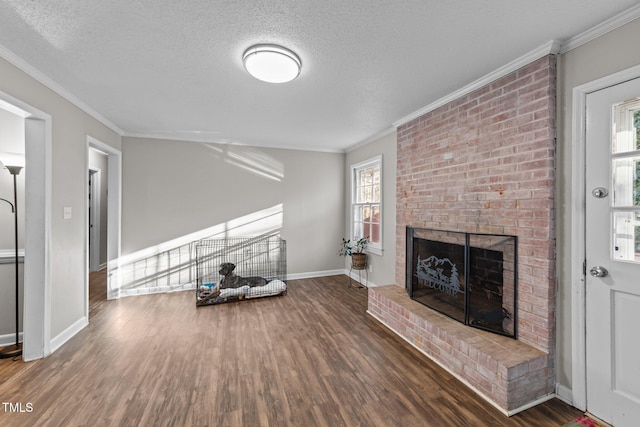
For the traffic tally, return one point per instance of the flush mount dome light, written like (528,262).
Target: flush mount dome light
(271,63)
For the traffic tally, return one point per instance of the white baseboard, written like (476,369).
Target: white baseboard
(68,333)
(312,274)
(354,275)
(9,339)
(156,290)
(532,404)
(362,278)
(564,393)
(192,286)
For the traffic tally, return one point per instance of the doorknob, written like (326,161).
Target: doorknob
(600,193)
(598,271)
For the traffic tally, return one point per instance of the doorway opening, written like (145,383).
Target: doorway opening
(12,223)
(103,187)
(36,309)
(97,210)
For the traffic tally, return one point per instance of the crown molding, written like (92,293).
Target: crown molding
(36,74)
(371,139)
(550,48)
(601,29)
(180,137)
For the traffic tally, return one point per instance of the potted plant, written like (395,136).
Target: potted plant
(355,249)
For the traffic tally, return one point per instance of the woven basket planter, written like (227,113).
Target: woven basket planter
(359,261)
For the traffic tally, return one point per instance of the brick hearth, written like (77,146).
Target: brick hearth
(485,163)
(508,373)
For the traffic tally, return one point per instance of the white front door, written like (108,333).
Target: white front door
(613,254)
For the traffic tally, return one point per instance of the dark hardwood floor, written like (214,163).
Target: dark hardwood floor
(310,358)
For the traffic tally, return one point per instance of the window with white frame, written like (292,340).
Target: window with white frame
(366,202)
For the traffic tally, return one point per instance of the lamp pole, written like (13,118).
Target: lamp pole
(16,349)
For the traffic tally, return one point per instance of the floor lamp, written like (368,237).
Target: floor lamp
(14,165)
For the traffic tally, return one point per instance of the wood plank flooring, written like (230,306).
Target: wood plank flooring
(10,369)
(310,358)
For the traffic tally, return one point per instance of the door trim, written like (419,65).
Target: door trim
(578,228)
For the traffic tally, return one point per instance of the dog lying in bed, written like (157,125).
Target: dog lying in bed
(232,280)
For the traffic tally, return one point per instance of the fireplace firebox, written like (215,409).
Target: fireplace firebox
(469,277)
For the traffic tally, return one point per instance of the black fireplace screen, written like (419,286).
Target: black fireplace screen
(468,277)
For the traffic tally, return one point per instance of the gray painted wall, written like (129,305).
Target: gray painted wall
(175,188)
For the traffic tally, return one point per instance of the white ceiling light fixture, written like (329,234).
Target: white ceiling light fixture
(271,63)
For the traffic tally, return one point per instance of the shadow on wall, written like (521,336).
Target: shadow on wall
(251,160)
(167,267)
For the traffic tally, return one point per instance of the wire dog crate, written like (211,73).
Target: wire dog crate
(238,268)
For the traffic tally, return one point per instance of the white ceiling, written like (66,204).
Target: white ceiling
(173,68)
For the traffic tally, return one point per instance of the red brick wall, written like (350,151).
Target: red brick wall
(499,179)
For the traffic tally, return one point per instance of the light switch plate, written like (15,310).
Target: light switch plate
(67,212)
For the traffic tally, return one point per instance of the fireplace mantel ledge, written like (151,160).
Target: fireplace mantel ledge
(509,374)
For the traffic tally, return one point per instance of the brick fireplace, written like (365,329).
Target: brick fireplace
(484,163)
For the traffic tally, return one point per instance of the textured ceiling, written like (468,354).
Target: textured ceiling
(173,69)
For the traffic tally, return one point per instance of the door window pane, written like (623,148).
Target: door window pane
(626,182)
(626,239)
(626,127)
